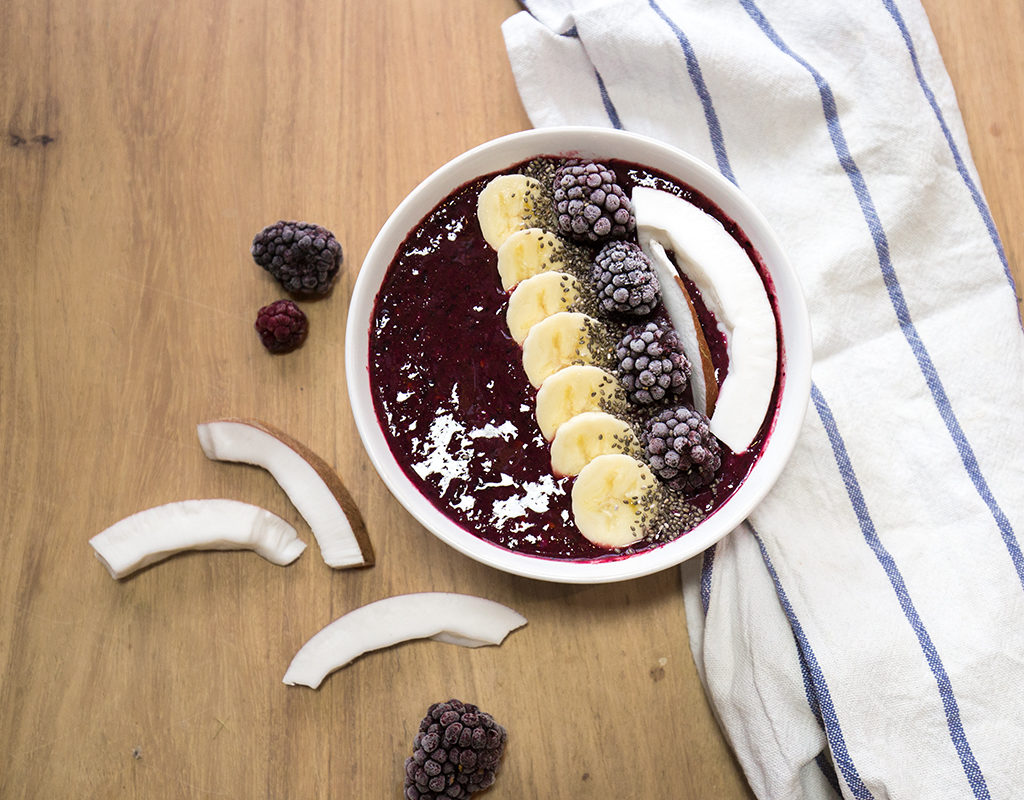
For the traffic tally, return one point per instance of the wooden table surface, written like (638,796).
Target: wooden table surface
(144,145)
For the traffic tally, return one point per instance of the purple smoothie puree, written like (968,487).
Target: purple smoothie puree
(454,402)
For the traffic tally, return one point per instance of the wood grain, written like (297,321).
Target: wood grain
(144,145)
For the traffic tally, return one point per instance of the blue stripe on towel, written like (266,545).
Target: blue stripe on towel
(867,526)
(609,107)
(697,78)
(828,769)
(823,760)
(606,100)
(896,296)
(706,569)
(808,681)
(976,196)
(829,718)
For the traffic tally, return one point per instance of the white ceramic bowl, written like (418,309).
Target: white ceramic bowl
(596,143)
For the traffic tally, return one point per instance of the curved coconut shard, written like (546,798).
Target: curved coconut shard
(311,484)
(460,619)
(683,316)
(159,532)
(734,292)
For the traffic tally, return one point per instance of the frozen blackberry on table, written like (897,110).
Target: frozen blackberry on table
(590,206)
(680,448)
(625,279)
(305,258)
(455,753)
(651,365)
(282,326)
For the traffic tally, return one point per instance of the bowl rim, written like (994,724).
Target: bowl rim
(501,153)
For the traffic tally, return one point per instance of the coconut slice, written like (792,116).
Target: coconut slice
(159,532)
(311,484)
(732,288)
(683,316)
(460,619)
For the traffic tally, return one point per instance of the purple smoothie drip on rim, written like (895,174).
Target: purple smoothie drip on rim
(454,402)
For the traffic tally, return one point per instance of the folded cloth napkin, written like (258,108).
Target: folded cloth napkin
(862,634)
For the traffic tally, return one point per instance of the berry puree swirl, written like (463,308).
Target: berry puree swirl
(548,365)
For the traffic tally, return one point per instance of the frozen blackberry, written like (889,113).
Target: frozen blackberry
(282,326)
(455,753)
(589,205)
(651,364)
(625,279)
(681,449)
(304,257)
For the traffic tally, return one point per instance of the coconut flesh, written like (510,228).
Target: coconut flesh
(733,291)
(159,532)
(311,484)
(447,617)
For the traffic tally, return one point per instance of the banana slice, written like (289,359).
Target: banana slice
(526,253)
(586,436)
(573,390)
(613,500)
(506,205)
(537,298)
(560,340)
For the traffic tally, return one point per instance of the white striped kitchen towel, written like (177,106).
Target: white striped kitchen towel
(862,634)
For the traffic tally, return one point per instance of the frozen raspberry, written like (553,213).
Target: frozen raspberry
(589,205)
(651,364)
(681,449)
(455,753)
(625,279)
(282,326)
(304,258)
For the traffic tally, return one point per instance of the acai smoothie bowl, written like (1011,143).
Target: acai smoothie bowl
(578,355)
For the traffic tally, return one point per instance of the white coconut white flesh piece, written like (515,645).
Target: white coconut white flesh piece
(311,484)
(733,291)
(159,532)
(680,312)
(460,619)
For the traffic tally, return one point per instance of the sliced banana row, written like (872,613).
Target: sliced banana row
(614,491)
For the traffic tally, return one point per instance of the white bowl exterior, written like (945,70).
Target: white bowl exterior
(498,155)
